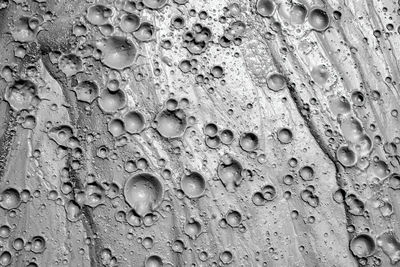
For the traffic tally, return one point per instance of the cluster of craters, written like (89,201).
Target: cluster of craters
(118,116)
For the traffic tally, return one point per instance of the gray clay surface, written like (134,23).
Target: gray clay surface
(199,133)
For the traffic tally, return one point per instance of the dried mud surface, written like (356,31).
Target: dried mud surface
(199,133)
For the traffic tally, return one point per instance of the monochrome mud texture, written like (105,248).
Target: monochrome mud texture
(199,133)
